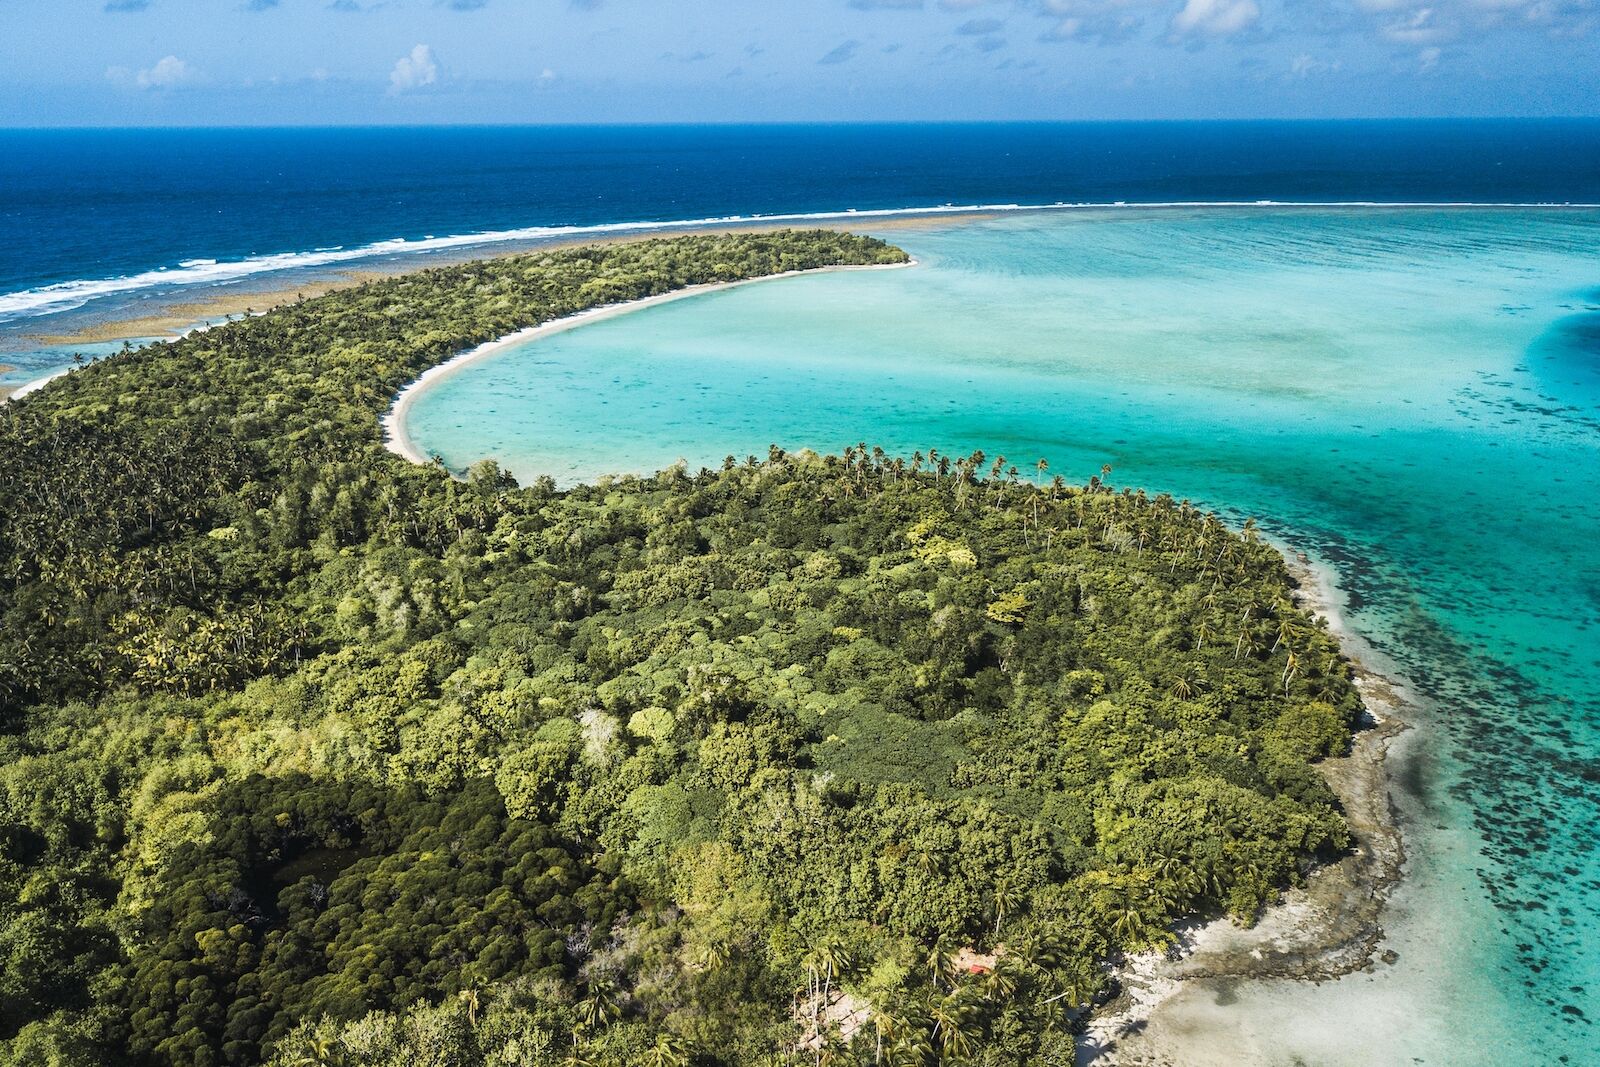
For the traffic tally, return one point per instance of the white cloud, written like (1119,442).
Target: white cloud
(1418,28)
(547,75)
(169,72)
(1404,22)
(414,71)
(1218,18)
(1427,59)
(1065,30)
(1306,64)
(1106,21)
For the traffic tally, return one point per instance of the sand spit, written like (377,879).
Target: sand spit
(176,319)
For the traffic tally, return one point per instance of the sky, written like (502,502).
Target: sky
(324,62)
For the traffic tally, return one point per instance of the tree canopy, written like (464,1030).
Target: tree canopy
(311,755)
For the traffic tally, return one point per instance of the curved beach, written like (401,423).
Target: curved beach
(394,422)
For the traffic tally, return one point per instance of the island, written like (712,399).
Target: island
(314,755)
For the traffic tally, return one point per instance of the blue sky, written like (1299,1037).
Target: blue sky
(137,62)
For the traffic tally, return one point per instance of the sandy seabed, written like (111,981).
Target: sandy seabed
(394,423)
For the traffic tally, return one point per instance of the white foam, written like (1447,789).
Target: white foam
(63,296)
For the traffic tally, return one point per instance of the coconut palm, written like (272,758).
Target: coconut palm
(598,1008)
(469,997)
(910,1049)
(1001,981)
(1006,897)
(888,1028)
(668,1051)
(939,961)
(954,1027)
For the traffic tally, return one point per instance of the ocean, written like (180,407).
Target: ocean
(110,224)
(1410,394)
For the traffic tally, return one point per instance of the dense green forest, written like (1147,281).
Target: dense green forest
(309,755)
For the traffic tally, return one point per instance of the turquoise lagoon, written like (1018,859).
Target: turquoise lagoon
(1410,395)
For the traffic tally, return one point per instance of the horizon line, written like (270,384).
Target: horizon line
(734,123)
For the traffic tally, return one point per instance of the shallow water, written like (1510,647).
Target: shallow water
(1412,395)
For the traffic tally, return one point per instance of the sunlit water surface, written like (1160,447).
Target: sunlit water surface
(1411,395)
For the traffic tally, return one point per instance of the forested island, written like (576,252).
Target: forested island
(309,755)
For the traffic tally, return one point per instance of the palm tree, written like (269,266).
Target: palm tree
(1007,897)
(668,1051)
(322,1052)
(953,1025)
(939,961)
(1177,873)
(886,1027)
(715,953)
(598,1008)
(1129,922)
(910,1049)
(826,960)
(836,960)
(1074,990)
(1244,632)
(1287,629)
(1000,983)
(469,997)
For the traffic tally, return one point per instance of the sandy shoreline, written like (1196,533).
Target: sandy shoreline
(10,393)
(174,320)
(1167,1015)
(395,438)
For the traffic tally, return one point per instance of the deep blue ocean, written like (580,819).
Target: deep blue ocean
(84,205)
